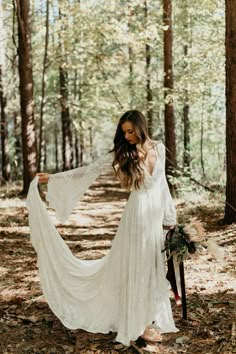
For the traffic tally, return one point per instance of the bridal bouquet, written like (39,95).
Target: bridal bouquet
(182,240)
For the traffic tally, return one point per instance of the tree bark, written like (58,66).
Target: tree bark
(170,138)
(131,60)
(230,40)
(186,120)
(18,145)
(56,148)
(6,168)
(16,114)
(131,75)
(41,147)
(76,149)
(202,141)
(75,132)
(186,132)
(26,93)
(81,146)
(148,77)
(67,143)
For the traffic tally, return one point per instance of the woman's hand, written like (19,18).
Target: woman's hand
(43,177)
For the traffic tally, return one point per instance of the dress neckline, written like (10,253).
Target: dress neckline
(154,165)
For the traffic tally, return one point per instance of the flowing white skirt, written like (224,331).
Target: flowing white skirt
(124,291)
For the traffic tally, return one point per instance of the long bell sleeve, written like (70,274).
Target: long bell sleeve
(66,188)
(169,218)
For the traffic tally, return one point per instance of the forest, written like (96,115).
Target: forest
(68,71)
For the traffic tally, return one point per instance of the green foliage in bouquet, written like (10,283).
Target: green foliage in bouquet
(178,243)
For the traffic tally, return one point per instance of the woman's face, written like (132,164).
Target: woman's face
(129,132)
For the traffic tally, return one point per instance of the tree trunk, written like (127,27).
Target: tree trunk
(81,146)
(56,148)
(148,78)
(42,148)
(45,154)
(6,168)
(26,94)
(76,149)
(131,75)
(230,40)
(186,73)
(67,152)
(202,141)
(186,133)
(91,142)
(18,147)
(81,152)
(170,139)
(131,60)
(75,132)
(16,114)
(67,143)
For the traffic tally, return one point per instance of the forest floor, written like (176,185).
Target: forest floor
(27,324)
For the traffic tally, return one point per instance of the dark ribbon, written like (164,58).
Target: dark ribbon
(172,279)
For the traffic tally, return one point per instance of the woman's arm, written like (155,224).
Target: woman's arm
(43,177)
(169,219)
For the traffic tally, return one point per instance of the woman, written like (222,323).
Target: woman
(125,291)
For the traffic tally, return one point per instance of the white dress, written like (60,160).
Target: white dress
(124,291)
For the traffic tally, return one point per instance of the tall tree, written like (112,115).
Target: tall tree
(148,76)
(131,58)
(41,146)
(170,138)
(76,143)
(67,142)
(6,168)
(230,40)
(81,145)
(56,147)
(22,9)
(16,114)
(186,120)
(65,119)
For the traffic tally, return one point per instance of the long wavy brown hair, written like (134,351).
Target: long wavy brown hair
(127,162)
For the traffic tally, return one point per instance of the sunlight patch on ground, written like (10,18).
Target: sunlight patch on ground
(81,220)
(3,271)
(9,294)
(31,278)
(205,274)
(87,244)
(12,203)
(75,218)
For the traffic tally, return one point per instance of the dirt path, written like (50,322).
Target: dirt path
(27,325)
